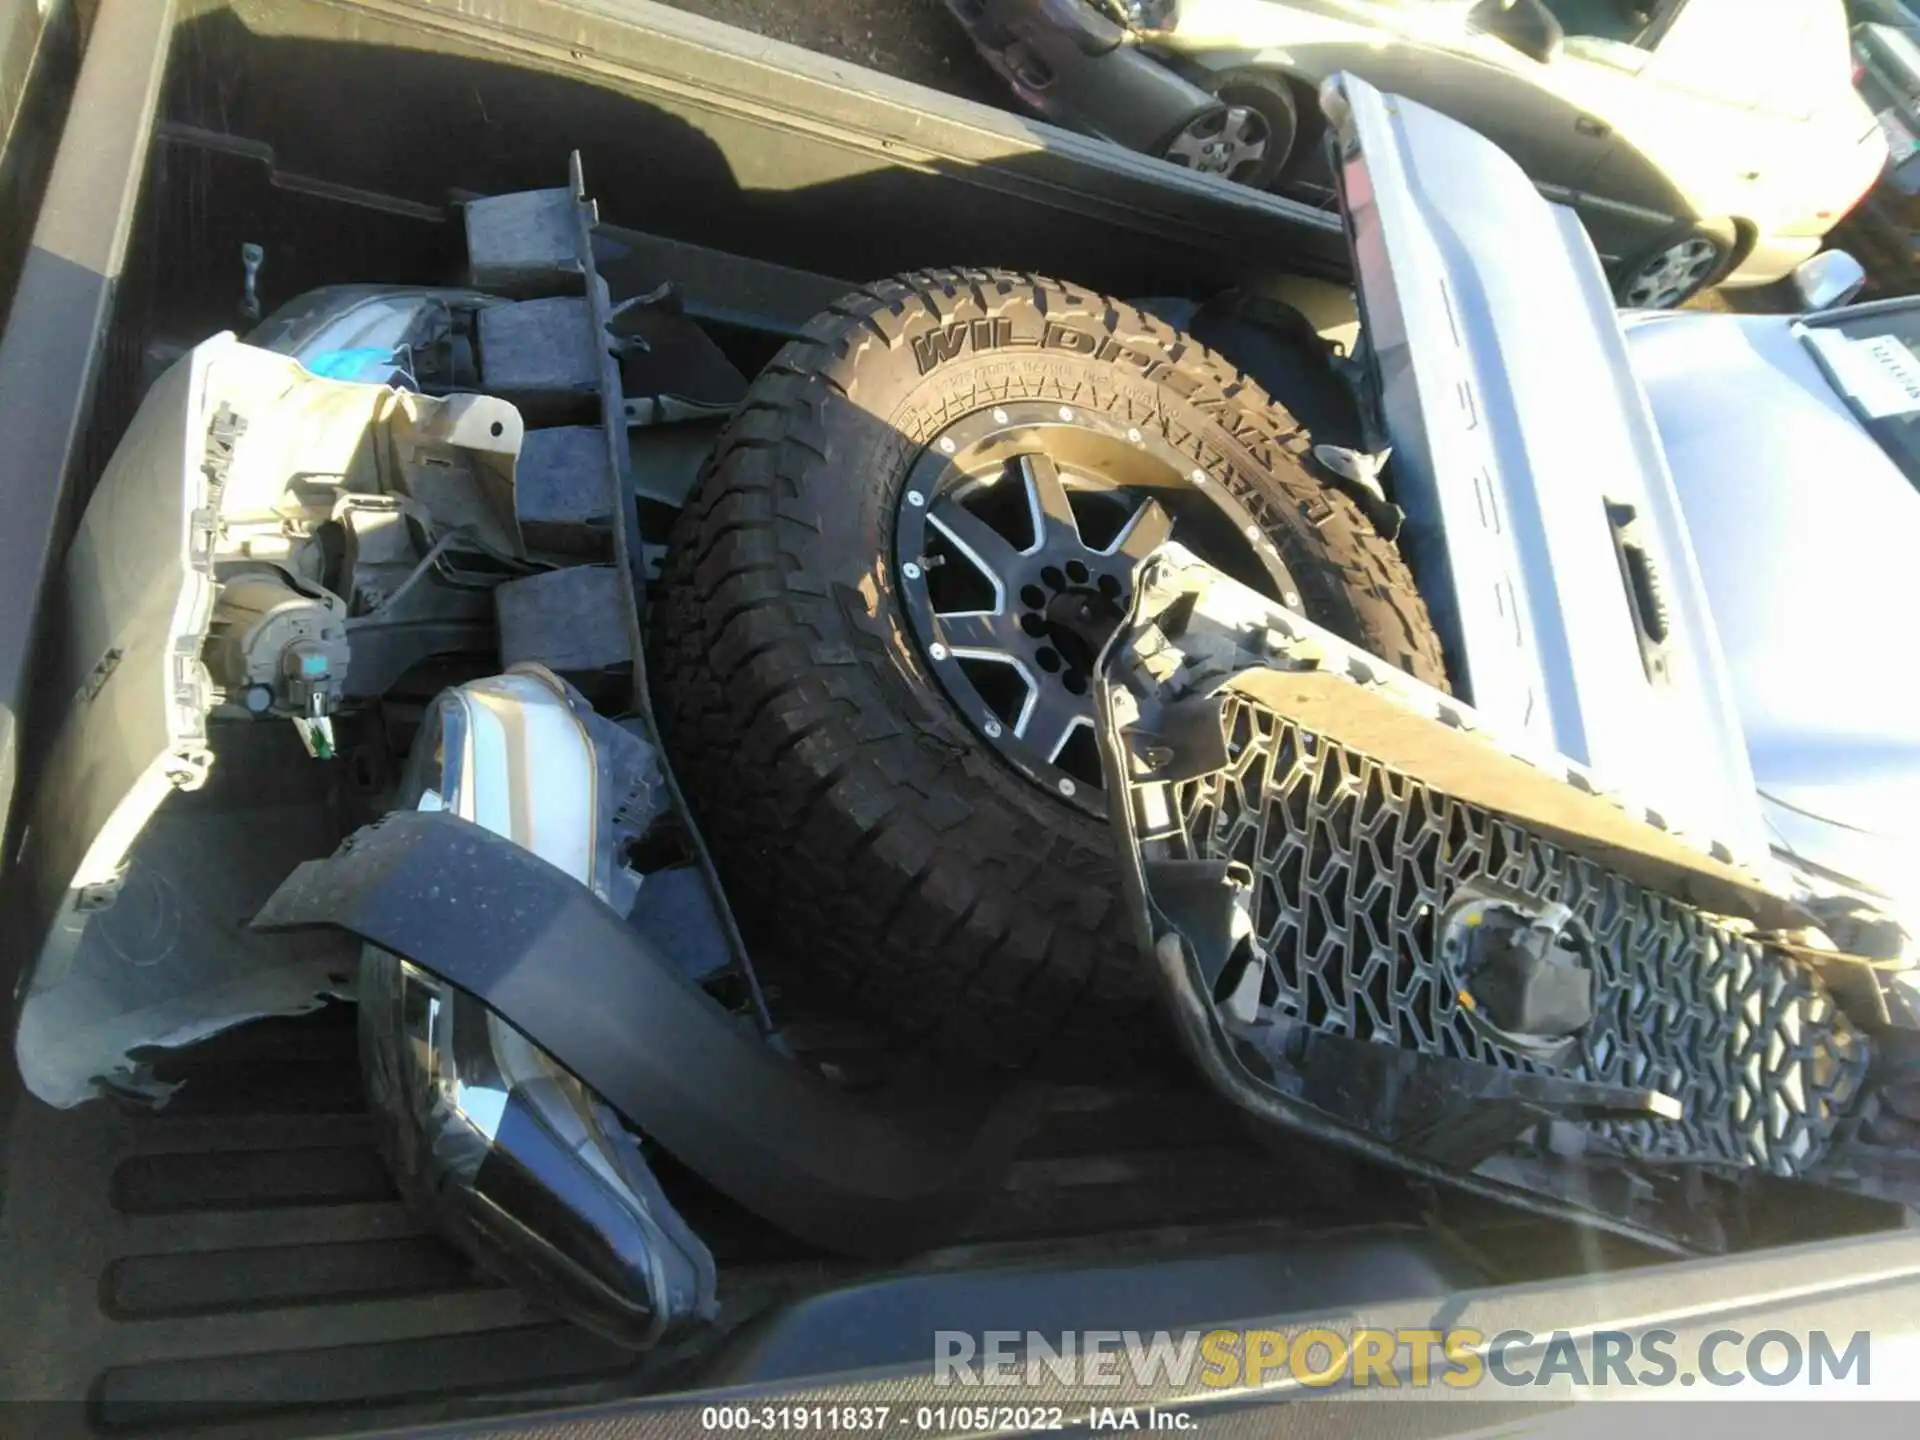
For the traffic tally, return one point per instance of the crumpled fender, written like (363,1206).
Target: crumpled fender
(535,945)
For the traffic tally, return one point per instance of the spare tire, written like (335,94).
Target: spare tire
(879,610)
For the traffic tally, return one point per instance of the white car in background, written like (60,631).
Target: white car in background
(1701,141)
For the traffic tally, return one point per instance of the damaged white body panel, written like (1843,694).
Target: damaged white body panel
(236,462)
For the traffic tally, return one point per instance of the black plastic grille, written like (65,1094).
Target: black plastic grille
(1353,863)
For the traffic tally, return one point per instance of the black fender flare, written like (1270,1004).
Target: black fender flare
(496,920)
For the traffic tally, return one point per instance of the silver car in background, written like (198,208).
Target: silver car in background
(1700,141)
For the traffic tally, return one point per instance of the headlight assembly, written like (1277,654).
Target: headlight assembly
(512,1157)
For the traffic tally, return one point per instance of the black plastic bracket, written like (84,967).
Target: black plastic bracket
(1453,1112)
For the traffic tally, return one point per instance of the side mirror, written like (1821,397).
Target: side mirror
(1527,25)
(1828,280)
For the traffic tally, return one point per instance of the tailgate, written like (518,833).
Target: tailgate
(1542,519)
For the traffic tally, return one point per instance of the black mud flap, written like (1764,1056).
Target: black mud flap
(1375,926)
(560,966)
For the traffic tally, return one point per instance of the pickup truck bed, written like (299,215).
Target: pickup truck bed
(240,1257)
(238,1261)
(241,1254)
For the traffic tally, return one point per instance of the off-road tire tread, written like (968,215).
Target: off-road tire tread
(859,825)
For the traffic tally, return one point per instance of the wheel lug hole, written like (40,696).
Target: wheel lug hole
(1034,625)
(1075,682)
(1110,587)
(1051,574)
(1076,572)
(1033,597)
(1049,661)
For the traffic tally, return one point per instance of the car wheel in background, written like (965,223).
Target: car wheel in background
(1249,139)
(881,613)
(1675,268)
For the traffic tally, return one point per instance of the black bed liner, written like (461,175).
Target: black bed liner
(238,1261)
(241,1254)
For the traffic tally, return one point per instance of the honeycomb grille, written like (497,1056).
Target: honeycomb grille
(1353,863)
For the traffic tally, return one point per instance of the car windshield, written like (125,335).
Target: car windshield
(1872,357)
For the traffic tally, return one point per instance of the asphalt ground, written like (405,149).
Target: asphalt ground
(915,40)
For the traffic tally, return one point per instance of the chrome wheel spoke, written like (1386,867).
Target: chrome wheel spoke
(978,631)
(1146,532)
(1052,513)
(1246,135)
(1669,277)
(1051,717)
(1189,146)
(990,552)
(1241,127)
(1011,605)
